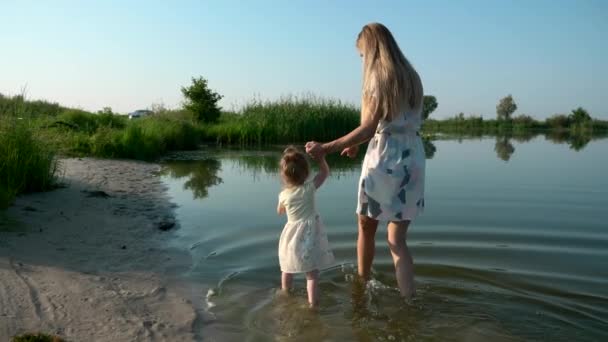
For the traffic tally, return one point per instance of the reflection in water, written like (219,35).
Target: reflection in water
(429,148)
(522,137)
(202,174)
(202,169)
(577,142)
(264,163)
(504,149)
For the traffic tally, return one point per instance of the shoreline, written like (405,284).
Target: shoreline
(89,261)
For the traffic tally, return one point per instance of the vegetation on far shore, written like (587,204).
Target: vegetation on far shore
(32,133)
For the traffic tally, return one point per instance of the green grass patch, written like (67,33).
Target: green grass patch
(77,133)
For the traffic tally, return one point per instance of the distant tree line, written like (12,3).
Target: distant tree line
(579,120)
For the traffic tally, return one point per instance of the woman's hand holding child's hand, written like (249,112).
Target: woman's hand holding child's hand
(315,149)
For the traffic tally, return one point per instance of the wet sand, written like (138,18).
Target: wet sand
(89,261)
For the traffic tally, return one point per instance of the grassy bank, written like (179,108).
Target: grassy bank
(74,132)
(113,136)
(27,164)
(33,133)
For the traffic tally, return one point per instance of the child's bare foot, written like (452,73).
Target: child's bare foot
(282,292)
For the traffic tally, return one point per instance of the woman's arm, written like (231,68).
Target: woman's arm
(359,135)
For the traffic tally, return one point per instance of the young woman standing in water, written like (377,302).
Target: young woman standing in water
(391,187)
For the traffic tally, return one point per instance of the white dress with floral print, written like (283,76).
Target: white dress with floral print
(391,187)
(303,245)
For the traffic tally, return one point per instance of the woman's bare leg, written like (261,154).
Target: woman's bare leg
(366,245)
(404,265)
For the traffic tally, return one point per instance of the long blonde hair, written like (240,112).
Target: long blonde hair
(387,73)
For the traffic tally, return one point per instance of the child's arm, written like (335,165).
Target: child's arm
(280,207)
(323,171)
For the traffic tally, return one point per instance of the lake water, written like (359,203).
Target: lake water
(513,246)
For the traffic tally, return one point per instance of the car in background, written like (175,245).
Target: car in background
(140,113)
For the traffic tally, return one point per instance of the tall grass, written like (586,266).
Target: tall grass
(17,105)
(145,139)
(289,119)
(27,164)
(89,123)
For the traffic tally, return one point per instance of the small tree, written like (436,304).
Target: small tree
(429,104)
(202,101)
(505,108)
(579,116)
(106,111)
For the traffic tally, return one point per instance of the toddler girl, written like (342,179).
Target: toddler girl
(303,246)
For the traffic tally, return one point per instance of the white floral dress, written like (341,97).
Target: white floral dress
(303,245)
(391,187)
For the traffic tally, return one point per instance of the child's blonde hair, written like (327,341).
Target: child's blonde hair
(387,73)
(294,167)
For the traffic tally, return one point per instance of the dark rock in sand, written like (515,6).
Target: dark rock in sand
(166,224)
(96,193)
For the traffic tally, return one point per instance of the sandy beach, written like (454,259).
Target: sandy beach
(89,261)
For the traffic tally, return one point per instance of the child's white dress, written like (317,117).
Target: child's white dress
(303,246)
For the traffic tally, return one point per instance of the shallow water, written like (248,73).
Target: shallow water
(512,246)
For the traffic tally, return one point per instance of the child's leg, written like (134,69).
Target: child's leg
(286,281)
(312,286)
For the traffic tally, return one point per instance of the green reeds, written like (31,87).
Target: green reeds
(27,164)
(287,120)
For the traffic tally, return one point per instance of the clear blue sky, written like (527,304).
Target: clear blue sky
(551,55)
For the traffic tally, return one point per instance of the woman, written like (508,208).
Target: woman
(391,187)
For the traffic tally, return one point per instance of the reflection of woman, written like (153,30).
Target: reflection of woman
(392,178)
